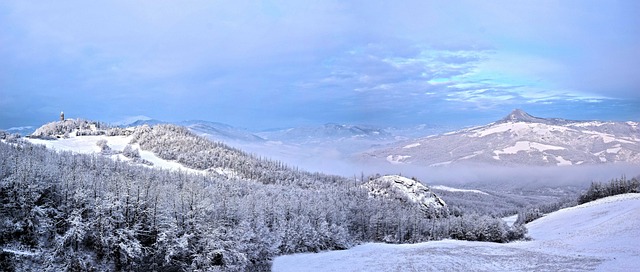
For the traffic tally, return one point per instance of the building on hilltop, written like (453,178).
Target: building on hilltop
(62,116)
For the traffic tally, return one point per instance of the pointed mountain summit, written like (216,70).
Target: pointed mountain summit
(519,115)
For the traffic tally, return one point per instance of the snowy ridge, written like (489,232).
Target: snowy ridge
(398,187)
(600,235)
(521,139)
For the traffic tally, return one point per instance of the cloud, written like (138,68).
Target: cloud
(342,61)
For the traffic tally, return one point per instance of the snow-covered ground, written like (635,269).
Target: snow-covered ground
(450,189)
(510,220)
(87,145)
(601,235)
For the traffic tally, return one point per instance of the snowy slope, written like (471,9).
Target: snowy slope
(87,145)
(601,236)
(521,139)
(607,228)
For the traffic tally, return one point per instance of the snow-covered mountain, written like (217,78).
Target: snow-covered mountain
(220,132)
(404,189)
(522,139)
(23,131)
(327,132)
(212,130)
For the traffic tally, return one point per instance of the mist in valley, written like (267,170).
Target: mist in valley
(339,161)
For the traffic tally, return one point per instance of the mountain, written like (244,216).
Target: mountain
(404,189)
(522,139)
(220,131)
(23,131)
(150,122)
(325,133)
(212,130)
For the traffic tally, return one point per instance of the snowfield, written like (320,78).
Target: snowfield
(600,235)
(518,127)
(450,189)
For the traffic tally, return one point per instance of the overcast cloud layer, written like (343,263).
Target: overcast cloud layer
(261,64)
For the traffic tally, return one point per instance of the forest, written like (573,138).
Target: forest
(64,211)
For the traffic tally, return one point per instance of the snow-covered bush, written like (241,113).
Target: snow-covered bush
(104,147)
(129,152)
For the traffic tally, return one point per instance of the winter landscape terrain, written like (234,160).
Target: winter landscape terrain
(600,235)
(521,139)
(214,206)
(414,135)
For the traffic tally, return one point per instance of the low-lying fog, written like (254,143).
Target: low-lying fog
(339,160)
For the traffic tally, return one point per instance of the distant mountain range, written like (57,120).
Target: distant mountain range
(347,137)
(517,139)
(521,139)
(23,131)
(327,132)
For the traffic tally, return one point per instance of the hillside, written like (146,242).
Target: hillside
(521,139)
(82,208)
(601,235)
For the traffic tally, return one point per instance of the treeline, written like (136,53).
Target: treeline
(537,211)
(618,186)
(597,190)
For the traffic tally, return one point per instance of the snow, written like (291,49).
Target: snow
(440,164)
(413,190)
(606,228)
(562,161)
(614,150)
(447,188)
(19,252)
(601,235)
(526,146)
(519,127)
(83,144)
(510,220)
(230,173)
(87,145)
(397,159)
(606,138)
(412,145)
(589,124)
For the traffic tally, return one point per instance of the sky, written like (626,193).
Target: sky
(275,64)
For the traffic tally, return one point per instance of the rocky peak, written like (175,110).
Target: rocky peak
(519,115)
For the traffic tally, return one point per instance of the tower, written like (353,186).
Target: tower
(62,116)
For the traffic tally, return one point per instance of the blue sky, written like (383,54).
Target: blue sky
(264,64)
